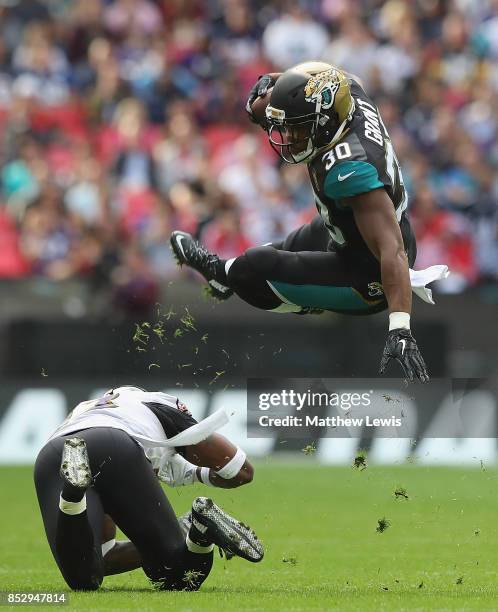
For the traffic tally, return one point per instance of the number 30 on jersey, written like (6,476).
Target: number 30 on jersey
(341,151)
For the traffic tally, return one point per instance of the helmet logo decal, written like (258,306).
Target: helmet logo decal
(322,88)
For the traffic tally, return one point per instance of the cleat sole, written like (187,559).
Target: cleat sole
(228,533)
(75,465)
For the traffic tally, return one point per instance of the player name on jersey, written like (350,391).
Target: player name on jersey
(372,122)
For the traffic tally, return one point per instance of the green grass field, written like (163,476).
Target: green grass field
(322,549)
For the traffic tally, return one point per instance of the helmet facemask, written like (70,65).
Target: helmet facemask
(293,139)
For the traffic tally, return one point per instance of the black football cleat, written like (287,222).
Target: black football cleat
(225,531)
(188,251)
(185,523)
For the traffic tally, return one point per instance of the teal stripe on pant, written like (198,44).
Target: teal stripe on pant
(323,296)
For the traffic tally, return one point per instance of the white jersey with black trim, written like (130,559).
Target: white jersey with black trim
(121,408)
(138,413)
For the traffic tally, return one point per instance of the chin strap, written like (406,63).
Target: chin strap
(340,131)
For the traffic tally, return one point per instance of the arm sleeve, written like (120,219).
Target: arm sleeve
(351,178)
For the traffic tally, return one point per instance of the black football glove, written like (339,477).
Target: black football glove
(259,89)
(402,347)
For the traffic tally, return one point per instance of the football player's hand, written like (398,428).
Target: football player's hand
(402,347)
(260,88)
(177,472)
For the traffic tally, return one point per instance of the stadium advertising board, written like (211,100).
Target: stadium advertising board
(450,422)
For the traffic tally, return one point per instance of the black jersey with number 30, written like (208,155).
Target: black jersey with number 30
(361,161)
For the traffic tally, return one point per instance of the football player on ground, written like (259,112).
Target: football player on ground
(355,256)
(100,468)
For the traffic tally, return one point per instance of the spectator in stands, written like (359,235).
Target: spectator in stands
(294,37)
(39,62)
(124,118)
(124,17)
(445,234)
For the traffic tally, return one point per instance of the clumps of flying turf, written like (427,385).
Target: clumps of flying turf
(141,337)
(289,560)
(459,580)
(187,320)
(360,460)
(411,457)
(382,525)
(208,296)
(146,331)
(192,577)
(400,493)
(182,366)
(170,328)
(477,531)
(309,449)
(217,375)
(171,313)
(159,330)
(389,398)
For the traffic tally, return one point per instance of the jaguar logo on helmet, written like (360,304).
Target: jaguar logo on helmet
(322,88)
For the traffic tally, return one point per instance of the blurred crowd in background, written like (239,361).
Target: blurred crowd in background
(122,120)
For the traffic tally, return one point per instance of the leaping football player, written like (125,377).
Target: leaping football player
(100,468)
(355,256)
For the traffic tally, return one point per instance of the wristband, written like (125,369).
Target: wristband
(232,468)
(204,477)
(399,320)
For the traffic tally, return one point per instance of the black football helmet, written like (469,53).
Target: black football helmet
(310,107)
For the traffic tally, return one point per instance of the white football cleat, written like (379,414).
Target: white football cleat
(225,531)
(75,465)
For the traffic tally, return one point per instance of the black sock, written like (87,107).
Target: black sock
(72,494)
(80,560)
